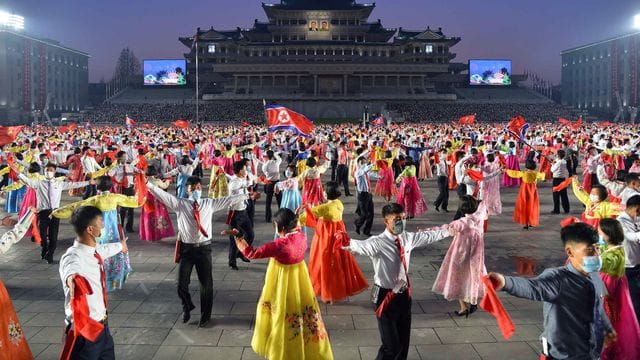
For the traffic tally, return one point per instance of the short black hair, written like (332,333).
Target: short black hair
(34,167)
(285,219)
(51,166)
(193,180)
(84,216)
(633,201)
(578,233)
(613,229)
(631,177)
(120,153)
(468,204)
(103,183)
(561,154)
(530,164)
(331,187)
(392,208)
(151,171)
(603,193)
(311,162)
(270,154)
(238,166)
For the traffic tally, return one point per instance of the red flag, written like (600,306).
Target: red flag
(379,121)
(475,175)
(491,303)
(8,134)
(72,126)
(182,124)
(129,121)
(281,118)
(605,124)
(467,120)
(563,185)
(564,121)
(518,127)
(244,123)
(576,125)
(147,126)
(568,221)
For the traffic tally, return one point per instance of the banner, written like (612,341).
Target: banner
(281,118)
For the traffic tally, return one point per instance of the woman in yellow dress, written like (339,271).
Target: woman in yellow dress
(596,205)
(288,321)
(527,210)
(117,268)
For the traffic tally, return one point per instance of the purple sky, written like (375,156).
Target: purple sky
(532,33)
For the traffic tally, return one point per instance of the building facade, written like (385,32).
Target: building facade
(38,75)
(603,77)
(312,49)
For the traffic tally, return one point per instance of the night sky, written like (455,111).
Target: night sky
(532,33)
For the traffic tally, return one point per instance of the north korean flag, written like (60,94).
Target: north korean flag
(379,121)
(281,118)
(129,121)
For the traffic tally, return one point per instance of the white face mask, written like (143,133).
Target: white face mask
(594,198)
(288,173)
(50,174)
(195,195)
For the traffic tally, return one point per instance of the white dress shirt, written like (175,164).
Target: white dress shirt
(442,169)
(80,259)
(631,241)
(49,192)
(60,157)
(618,190)
(559,169)
(118,173)
(271,168)
(89,165)
(361,174)
(186,170)
(238,186)
(382,249)
(187,226)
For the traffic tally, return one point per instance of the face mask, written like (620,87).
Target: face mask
(398,226)
(50,175)
(594,198)
(601,240)
(591,264)
(288,173)
(196,194)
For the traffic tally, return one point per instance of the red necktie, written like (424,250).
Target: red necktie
(196,214)
(404,264)
(125,181)
(390,294)
(103,278)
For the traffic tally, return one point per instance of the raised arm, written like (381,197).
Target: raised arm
(615,188)
(66,211)
(265,251)
(582,195)
(545,287)
(168,199)
(514,173)
(367,247)
(426,237)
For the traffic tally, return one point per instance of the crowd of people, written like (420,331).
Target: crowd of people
(592,303)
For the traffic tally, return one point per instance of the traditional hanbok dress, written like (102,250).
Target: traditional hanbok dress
(527,209)
(619,308)
(409,194)
(288,320)
(13,343)
(155,223)
(291,198)
(385,186)
(183,172)
(312,191)
(335,274)
(595,211)
(29,200)
(461,272)
(118,267)
(425,166)
(15,192)
(512,164)
(218,185)
(490,188)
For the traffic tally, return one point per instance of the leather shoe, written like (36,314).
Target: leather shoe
(186,315)
(357,230)
(367,234)
(234,267)
(203,323)
(244,259)
(130,230)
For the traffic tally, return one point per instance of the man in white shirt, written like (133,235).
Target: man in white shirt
(630,225)
(271,170)
(238,217)
(391,294)
(48,195)
(123,175)
(89,166)
(83,264)
(194,248)
(623,191)
(364,208)
(442,174)
(560,174)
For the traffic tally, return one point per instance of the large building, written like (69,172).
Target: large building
(312,49)
(603,77)
(39,74)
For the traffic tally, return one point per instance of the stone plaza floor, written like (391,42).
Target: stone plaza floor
(145,317)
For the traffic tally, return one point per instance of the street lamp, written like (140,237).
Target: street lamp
(11,20)
(636,21)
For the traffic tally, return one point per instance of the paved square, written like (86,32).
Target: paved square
(145,316)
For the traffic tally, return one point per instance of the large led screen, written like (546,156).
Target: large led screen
(165,72)
(490,72)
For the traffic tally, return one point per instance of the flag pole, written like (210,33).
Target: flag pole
(264,108)
(195,39)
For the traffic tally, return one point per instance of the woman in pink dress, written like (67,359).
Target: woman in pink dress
(424,171)
(312,192)
(617,304)
(409,194)
(385,186)
(490,186)
(463,267)
(512,164)
(29,199)
(155,223)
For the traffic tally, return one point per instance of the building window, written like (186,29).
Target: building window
(212,48)
(428,49)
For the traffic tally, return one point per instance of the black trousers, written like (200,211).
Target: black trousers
(200,257)
(461,190)
(364,212)
(198,171)
(269,191)
(89,191)
(240,220)
(48,228)
(560,195)
(334,166)
(443,196)
(127,213)
(394,326)
(343,178)
(101,349)
(633,277)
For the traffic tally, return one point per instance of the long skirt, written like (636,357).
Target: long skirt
(181,186)
(527,209)
(619,309)
(288,320)
(28,201)
(512,164)
(385,186)
(155,223)
(291,199)
(14,199)
(118,267)
(335,274)
(13,344)
(312,192)
(410,197)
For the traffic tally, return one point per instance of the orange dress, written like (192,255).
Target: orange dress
(527,209)
(594,212)
(334,273)
(13,344)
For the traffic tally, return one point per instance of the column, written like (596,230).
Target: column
(315,85)
(360,76)
(398,81)
(235,84)
(261,84)
(344,89)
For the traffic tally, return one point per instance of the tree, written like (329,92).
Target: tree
(127,66)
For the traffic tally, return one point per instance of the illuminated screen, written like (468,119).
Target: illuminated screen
(165,72)
(490,72)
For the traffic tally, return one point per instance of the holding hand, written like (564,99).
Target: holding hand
(125,248)
(610,338)
(497,280)
(241,244)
